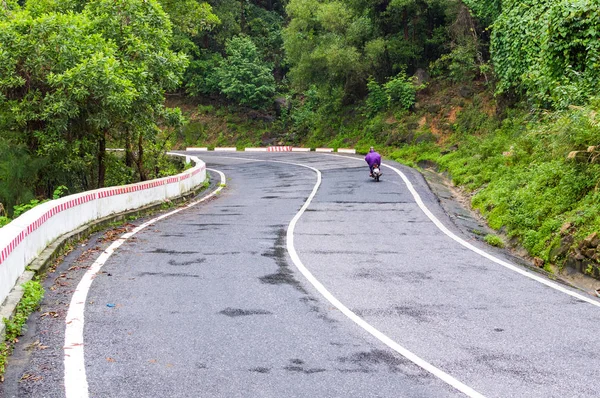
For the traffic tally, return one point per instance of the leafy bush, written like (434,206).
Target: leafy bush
(459,65)
(59,192)
(516,41)
(401,91)
(377,99)
(243,77)
(117,172)
(33,292)
(494,240)
(568,70)
(22,208)
(398,91)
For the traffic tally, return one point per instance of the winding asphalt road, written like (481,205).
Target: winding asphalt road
(210,302)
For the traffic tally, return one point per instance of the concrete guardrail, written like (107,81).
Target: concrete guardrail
(24,238)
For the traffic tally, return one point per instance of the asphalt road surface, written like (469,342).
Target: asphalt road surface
(211,301)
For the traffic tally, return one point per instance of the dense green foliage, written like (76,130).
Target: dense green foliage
(244,34)
(398,91)
(242,76)
(549,49)
(339,45)
(71,82)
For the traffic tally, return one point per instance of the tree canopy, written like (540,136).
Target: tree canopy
(70,80)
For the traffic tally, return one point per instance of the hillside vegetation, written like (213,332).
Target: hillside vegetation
(500,94)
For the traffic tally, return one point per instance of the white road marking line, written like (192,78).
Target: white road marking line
(469,246)
(76,385)
(345,310)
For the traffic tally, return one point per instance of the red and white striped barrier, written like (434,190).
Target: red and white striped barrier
(279,149)
(24,238)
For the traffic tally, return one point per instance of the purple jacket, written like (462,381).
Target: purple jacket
(373,158)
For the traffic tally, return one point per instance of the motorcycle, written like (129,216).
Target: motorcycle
(376,173)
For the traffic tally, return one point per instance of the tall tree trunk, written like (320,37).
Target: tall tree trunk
(128,150)
(102,160)
(141,170)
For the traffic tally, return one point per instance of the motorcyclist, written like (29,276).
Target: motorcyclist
(372,159)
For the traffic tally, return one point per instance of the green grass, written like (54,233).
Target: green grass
(494,240)
(32,296)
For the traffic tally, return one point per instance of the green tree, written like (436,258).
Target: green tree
(61,85)
(141,31)
(242,76)
(340,44)
(70,81)
(316,45)
(260,21)
(189,19)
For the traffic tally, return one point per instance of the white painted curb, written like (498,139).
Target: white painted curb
(295,149)
(225,149)
(202,149)
(255,149)
(324,150)
(346,150)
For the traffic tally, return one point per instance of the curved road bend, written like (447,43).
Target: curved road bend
(211,305)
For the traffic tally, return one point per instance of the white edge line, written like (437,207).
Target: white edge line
(75,380)
(440,374)
(482,253)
